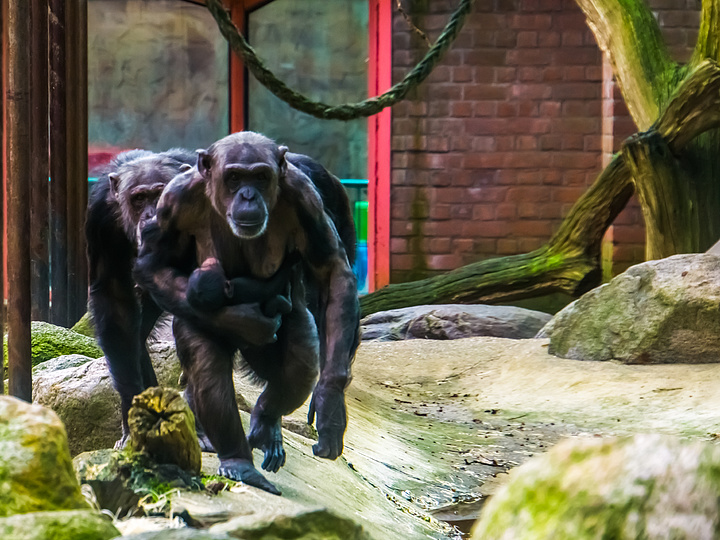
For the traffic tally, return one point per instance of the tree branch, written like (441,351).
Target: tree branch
(629,35)
(708,40)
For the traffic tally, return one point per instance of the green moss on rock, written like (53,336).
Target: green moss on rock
(67,525)
(85,326)
(36,472)
(648,487)
(50,341)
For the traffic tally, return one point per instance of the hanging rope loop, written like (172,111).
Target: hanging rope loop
(347,111)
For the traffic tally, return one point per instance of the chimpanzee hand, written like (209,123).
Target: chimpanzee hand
(242,470)
(207,287)
(329,405)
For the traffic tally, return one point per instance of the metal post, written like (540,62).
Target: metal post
(58,171)
(39,186)
(17,99)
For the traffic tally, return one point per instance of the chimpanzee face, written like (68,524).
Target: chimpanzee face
(137,186)
(243,172)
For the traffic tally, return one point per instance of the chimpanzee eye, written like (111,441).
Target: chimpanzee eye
(233,182)
(138,200)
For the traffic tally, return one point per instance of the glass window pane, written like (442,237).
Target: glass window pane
(319,48)
(157,76)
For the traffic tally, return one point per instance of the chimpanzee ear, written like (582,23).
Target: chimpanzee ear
(282,162)
(114,183)
(204,163)
(185,167)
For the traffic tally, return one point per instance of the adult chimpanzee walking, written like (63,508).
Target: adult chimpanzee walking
(260,211)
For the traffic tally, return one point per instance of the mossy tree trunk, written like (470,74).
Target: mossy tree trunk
(672,164)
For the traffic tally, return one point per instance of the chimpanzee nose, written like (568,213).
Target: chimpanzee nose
(248,194)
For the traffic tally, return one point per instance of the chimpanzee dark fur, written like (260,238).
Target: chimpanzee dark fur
(260,207)
(122,201)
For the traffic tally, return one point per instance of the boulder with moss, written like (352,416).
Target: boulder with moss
(35,467)
(86,401)
(50,341)
(649,486)
(663,311)
(67,525)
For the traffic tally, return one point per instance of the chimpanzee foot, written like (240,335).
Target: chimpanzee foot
(205,444)
(122,442)
(242,470)
(266,434)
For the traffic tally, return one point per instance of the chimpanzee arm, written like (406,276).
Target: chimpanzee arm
(161,270)
(209,290)
(339,319)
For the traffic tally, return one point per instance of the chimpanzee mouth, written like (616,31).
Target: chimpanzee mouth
(247,229)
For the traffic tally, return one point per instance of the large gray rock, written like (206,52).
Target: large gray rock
(452,321)
(664,311)
(86,401)
(67,525)
(648,487)
(35,468)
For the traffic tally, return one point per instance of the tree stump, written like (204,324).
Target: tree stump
(163,426)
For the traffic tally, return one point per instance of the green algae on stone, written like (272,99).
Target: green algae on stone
(649,486)
(64,525)
(50,341)
(36,472)
(85,326)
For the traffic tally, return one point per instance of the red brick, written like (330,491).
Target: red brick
(398,245)
(486,57)
(532,91)
(530,74)
(527,142)
(440,212)
(483,144)
(483,212)
(548,39)
(529,57)
(505,144)
(444,262)
(528,108)
(507,246)
(550,108)
(572,38)
(529,193)
(575,160)
(477,92)
(439,245)
(462,245)
(461,109)
(573,141)
(462,74)
(526,245)
(567,194)
(484,229)
(503,75)
(527,39)
(531,228)
(531,22)
(485,108)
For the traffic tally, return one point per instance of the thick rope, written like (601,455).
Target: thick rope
(347,111)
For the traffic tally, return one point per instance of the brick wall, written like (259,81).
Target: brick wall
(492,151)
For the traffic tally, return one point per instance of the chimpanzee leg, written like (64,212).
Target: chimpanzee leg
(290,367)
(208,367)
(150,314)
(117,322)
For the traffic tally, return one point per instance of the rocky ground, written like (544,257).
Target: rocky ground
(435,425)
